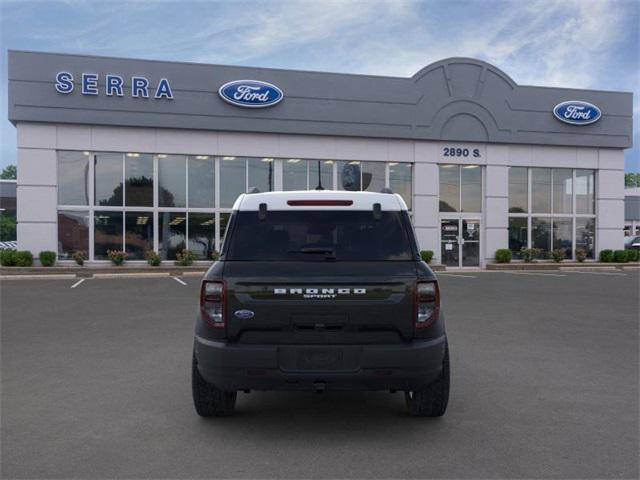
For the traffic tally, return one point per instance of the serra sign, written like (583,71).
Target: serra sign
(113,85)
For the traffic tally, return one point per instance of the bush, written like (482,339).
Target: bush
(581,254)
(620,256)
(117,256)
(79,256)
(8,258)
(503,255)
(606,256)
(185,258)
(426,255)
(530,254)
(633,255)
(215,255)
(558,255)
(152,258)
(47,258)
(24,258)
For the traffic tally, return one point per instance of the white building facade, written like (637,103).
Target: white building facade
(483,163)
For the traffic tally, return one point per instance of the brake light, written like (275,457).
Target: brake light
(212,303)
(427,303)
(319,203)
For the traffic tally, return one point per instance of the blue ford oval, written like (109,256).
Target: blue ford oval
(250,93)
(244,314)
(577,112)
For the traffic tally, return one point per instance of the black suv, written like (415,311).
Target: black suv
(320,290)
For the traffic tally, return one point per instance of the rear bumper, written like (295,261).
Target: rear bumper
(232,367)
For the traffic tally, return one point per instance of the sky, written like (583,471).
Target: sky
(566,43)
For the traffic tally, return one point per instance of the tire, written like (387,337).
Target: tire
(209,400)
(432,400)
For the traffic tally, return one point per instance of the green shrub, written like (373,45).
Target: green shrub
(8,258)
(620,256)
(426,255)
(47,258)
(558,255)
(215,255)
(153,258)
(24,258)
(633,255)
(79,256)
(185,257)
(530,254)
(606,255)
(117,256)
(581,254)
(503,255)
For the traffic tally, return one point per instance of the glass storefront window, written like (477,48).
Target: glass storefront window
(471,191)
(233,180)
(518,190)
(107,234)
(541,235)
(108,179)
(541,190)
(294,174)
(260,173)
(326,174)
(202,234)
(73,178)
(562,190)
(373,176)
(449,188)
(201,182)
(73,233)
(138,237)
(172,234)
(585,192)
(562,235)
(138,172)
(586,234)
(400,180)
(171,181)
(224,221)
(517,235)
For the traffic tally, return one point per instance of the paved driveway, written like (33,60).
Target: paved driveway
(96,384)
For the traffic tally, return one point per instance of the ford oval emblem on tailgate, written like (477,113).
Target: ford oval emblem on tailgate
(244,314)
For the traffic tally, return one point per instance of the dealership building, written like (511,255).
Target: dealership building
(141,155)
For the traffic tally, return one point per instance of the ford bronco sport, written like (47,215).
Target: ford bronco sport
(320,290)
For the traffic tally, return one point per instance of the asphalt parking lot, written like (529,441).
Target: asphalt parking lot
(96,384)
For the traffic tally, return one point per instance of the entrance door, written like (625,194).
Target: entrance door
(460,242)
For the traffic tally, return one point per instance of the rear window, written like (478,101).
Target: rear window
(319,236)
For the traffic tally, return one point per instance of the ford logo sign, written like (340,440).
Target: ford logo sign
(577,112)
(250,93)
(244,314)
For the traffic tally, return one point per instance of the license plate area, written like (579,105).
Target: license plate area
(318,358)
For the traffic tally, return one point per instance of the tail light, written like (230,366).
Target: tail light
(427,303)
(212,303)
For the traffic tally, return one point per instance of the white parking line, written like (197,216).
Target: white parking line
(599,273)
(78,283)
(454,275)
(179,281)
(538,274)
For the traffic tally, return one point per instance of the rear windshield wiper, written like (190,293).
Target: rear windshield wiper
(330,253)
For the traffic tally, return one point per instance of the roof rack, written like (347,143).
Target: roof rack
(386,190)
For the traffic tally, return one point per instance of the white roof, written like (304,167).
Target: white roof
(361,200)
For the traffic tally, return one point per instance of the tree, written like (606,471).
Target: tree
(632,180)
(9,172)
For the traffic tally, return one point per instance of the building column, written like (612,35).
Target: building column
(36,192)
(426,191)
(610,200)
(496,211)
